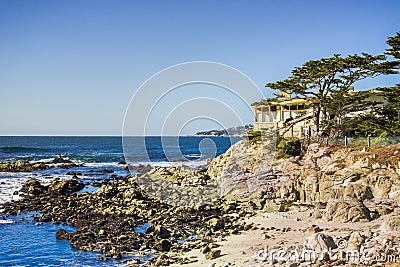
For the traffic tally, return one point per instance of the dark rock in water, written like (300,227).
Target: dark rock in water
(62,234)
(163,245)
(33,187)
(60,159)
(81,239)
(65,187)
(96,184)
(158,231)
(117,256)
(122,162)
(22,166)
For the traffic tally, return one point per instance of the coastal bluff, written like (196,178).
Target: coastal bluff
(336,177)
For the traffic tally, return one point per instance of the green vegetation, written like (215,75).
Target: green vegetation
(266,101)
(256,136)
(328,84)
(287,148)
(384,120)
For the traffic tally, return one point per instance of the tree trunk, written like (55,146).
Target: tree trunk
(316,119)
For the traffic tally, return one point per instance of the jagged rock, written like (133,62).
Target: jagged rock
(272,206)
(65,187)
(60,159)
(82,239)
(159,231)
(314,229)
(341,173)
(62,234)
(391,225)
(33,186)
(357,191)
(216,224)
(213,254)
(342,211)
(22,166)
(319,242)
(163,245)
(355,241)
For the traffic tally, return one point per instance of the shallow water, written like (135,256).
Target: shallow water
(28,244)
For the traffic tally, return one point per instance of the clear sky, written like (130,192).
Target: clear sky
(71,67)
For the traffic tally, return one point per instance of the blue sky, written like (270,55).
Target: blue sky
(71,67)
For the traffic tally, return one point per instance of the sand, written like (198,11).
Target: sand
(276,231)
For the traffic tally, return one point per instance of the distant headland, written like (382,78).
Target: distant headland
(233,131)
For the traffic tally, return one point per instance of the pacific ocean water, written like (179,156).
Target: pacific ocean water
(25,243)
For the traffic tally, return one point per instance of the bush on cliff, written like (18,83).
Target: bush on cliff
(287,148)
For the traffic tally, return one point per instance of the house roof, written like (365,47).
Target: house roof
(289,102)
(294,101)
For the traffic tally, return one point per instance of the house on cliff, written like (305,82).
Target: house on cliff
(294,117)
(271,114)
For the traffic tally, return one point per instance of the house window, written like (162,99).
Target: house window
(259,117)
(274,117)
(286,115)
(266,117)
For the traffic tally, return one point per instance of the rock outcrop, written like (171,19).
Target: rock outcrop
(391,225)
(22,166)
(343,178)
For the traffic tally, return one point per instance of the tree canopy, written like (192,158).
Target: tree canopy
(394,43)
(385,119)
(328,84)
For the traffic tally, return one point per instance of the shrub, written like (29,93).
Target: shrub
(287,148)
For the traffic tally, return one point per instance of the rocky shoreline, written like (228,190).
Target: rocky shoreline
(106,220)
(339,185)
(24,166)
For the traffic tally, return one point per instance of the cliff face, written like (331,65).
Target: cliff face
(342,178)
(244,169)
(344,173)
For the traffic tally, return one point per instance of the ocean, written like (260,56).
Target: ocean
(29,244)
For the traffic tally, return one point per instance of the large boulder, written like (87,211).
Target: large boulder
(65,187)
(351,211)
(33,187)
(320,242)
(355,241)
(158,231)
(61,234)
(391,225)
(163,245)
(60,159)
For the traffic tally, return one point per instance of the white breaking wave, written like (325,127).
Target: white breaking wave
(11,182)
